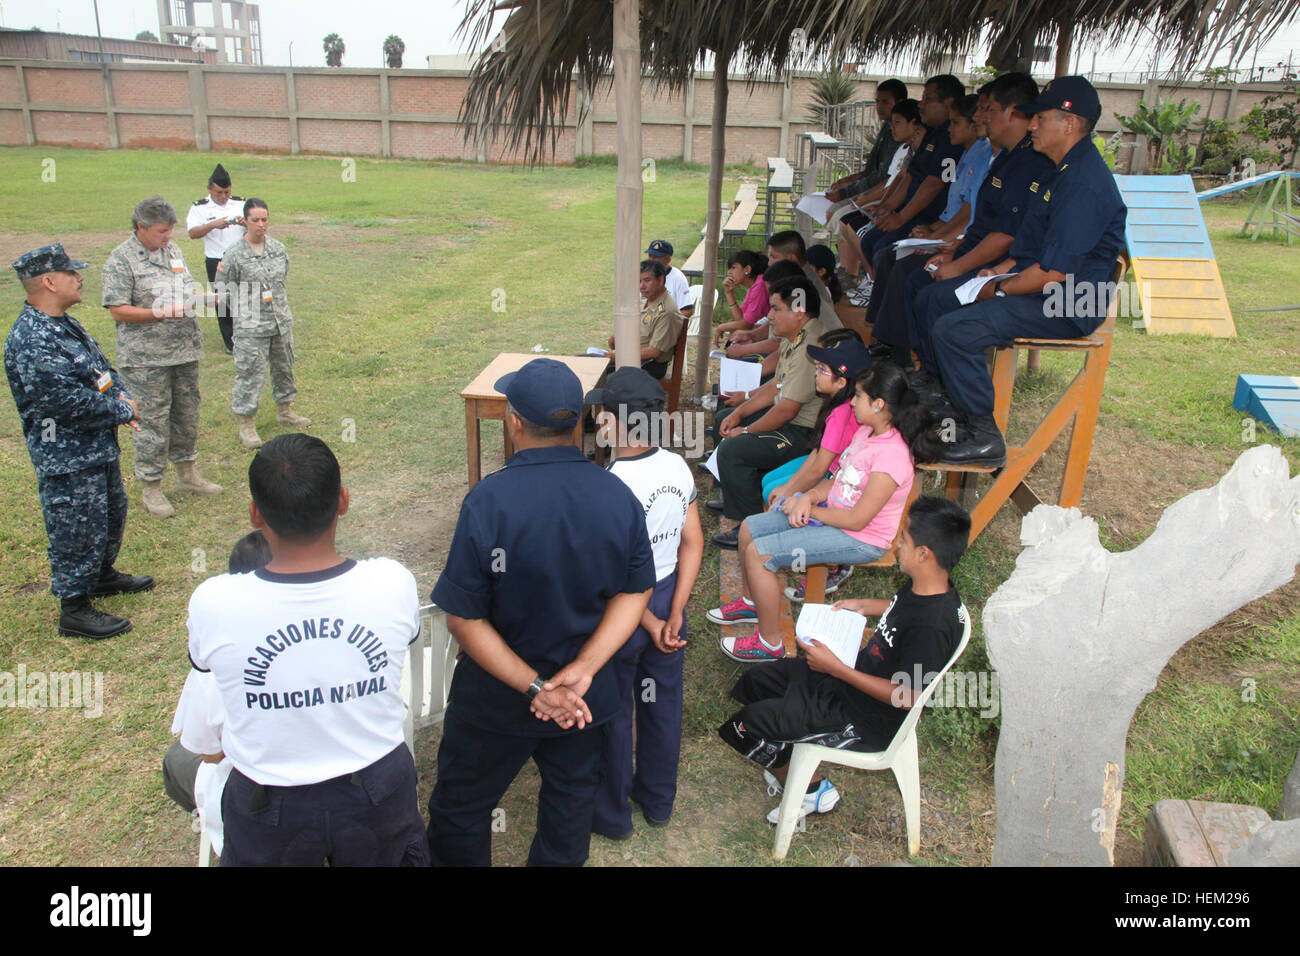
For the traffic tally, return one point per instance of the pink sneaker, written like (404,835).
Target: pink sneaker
(737,612)
(750,649)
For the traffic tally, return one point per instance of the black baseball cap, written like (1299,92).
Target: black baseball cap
(1070,94)
(541,390)
(845,358)
(629,385)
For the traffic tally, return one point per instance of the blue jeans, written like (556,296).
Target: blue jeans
(773,536)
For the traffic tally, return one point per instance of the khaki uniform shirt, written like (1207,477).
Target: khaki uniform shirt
(250,279)
(661,323)
(796,378)
(132,275)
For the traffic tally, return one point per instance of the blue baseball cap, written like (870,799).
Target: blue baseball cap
(660,247)
(541,390)
(49,258)
(1070,94)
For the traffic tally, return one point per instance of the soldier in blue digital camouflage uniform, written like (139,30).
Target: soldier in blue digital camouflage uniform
(71,402)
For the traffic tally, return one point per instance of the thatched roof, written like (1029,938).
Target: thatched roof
(521,89)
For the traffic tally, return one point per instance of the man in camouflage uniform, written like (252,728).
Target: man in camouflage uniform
(151,295)
(71,401)
(253,272)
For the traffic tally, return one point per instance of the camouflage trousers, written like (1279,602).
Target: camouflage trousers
(252,355)
(168,396)
(85,514)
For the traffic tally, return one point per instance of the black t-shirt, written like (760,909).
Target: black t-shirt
(916,635)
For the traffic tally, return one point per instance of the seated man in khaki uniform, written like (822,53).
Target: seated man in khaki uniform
(661,321)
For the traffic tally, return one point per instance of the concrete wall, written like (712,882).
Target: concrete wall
(412,113)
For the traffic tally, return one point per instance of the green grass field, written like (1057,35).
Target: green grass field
(393,285)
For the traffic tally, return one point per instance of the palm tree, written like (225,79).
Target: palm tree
(830,88)
(393,50)
(333,45)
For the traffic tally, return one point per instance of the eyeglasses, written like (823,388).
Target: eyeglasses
(821,369)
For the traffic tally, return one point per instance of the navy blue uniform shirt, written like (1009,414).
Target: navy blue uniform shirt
(1016,177)
(1075,225)
(929,160)
(54,367)
(540,548)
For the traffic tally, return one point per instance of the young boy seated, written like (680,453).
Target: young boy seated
(648,668)
(195,768)
(816,698)
(307,654)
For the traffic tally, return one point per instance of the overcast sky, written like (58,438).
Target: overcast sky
(426,26)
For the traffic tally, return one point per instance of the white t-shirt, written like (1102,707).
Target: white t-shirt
(309,666)
(216,242)
(677,286)
(200,715)
(662,482)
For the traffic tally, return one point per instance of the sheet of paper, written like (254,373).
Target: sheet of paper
(905,247)
(712,464)
(595,352)
(841,630)
(967,291)
(816,206)
(736,377)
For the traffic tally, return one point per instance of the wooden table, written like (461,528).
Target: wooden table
(483,401)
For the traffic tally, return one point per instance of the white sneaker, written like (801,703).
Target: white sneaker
(821,800)
(774,787)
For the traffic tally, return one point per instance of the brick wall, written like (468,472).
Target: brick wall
(70,129)
(429,141)
(438,95)
(151,89)
(249,133)
(9,91)
(342,137)
(11,128)
(337,94)
(143,131)
(263,92)
(64,87)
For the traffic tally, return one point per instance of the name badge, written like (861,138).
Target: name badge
(104,381)
(178,265)
(266,296)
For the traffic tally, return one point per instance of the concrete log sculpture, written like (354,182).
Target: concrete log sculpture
(1079,635)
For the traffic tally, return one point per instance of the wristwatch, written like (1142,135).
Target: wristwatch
(745,430)
(534,688)
(997,289)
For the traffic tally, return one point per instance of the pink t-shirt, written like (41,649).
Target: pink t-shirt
(756,303)
(841,426)
(868,453)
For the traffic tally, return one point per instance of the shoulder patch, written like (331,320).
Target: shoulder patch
(236,199)
(199,202)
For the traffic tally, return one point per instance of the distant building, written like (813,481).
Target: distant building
(449,61)
(236,27)
(40,45)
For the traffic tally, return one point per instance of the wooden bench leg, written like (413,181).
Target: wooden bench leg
(814,585)
(1004,383)
(1085,429)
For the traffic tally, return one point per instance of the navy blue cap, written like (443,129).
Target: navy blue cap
(846,358)
(1071,94)
(632,386)
(660,247)
(49,258)
(541,390)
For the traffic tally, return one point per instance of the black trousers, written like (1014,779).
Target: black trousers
(743,460)
(224,323)
(368,818)
(477,766)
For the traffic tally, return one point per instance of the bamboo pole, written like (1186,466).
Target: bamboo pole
(627,215)
(713,223)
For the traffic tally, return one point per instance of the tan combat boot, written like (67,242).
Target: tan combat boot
(191,480)
(248,436)
(155,502)
(285,415)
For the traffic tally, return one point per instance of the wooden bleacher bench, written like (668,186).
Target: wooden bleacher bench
(1080,403)
(745,204)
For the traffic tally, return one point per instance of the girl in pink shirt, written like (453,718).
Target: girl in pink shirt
(850,518)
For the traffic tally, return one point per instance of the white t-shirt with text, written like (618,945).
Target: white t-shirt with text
(662,482)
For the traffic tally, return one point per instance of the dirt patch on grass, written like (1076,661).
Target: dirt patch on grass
(81,245)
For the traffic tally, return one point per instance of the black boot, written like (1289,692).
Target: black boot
(979,444)
(80,619)
(117,582)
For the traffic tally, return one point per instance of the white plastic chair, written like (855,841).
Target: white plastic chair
(900,756)
(426,676)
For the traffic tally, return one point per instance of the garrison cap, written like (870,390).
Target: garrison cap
(220,177)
